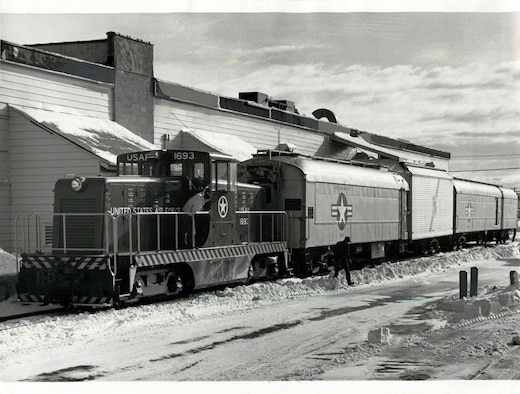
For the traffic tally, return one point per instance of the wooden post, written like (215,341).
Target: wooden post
(513,277)
(473,282)
(463,284)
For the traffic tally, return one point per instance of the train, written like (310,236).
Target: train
(175,221)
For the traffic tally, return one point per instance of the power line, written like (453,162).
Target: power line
(476,156)
(487,169)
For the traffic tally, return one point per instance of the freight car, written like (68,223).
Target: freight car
(328,200)
(385,213)
(169,223)
(483,212)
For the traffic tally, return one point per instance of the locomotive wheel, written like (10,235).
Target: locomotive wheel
(180,282)
(250,274)
(173,283)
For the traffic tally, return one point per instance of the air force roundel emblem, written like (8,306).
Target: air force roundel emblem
(341,211)
(222,207)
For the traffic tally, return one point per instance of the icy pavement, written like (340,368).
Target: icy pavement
(301,329)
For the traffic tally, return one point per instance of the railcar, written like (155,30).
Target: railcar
(484,212)
(328,200)
(169,223)
(430,208)
(509,218)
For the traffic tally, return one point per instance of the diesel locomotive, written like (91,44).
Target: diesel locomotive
(169,223)
(173,221)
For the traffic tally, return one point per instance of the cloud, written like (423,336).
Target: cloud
(471,108)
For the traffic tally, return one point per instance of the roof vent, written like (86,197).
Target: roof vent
(284,105)
(325,113)
(257,97)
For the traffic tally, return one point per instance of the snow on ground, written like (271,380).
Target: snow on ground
(7,263)
(37,331)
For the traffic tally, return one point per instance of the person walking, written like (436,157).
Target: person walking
(343,259)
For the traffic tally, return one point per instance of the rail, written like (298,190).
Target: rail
(130,233)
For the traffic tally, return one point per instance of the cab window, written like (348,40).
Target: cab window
(176,169)
(198,171)
(221,175)
(225,174)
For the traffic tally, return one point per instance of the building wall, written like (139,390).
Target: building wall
(36,88)
(30,158)
(171,117)
(134,101)
(5,186)
(95,51)
(37,159)
(134,104)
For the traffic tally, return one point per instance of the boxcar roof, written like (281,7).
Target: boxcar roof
(344,173)
(429,172)
(480,189)
(509,193)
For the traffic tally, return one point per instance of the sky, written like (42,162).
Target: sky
(447,80)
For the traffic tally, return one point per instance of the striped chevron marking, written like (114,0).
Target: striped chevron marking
(91,300)
(81,262)
(85,300)
(31,298)
(185,256)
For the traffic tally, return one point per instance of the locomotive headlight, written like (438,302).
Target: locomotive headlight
(77,183)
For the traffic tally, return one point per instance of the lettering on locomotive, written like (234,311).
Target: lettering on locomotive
(127,210)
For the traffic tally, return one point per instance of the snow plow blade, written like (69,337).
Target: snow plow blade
(66,280)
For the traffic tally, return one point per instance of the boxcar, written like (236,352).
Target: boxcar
(478,210)
(430,208)
(509,213)
(327,201)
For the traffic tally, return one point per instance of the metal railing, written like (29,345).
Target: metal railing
(135,232)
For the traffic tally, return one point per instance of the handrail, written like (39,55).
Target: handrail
(29,227)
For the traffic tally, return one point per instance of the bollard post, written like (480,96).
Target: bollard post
(513,278)
(463,284)
(473,282)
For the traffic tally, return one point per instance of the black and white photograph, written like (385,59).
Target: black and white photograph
(259,196)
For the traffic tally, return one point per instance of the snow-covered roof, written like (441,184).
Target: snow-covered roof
(395,154)
(223,143)
(102,137)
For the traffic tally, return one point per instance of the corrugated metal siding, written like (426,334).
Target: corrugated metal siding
(371,214)
(37,160)
(171,117)
(37,88)
(475,213)
(510,209)
(476,206)
(5,231)
(432,203)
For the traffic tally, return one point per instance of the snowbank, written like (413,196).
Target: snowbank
(236,298)
(36,331)
(7,263)
(490,301)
